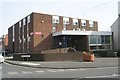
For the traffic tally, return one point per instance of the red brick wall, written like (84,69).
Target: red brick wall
(31,43)
(96,26)
(6,41)
(51,57)
(16,43)
(10,39)
(70,27)
(60,25)
(42,23)
(58,50)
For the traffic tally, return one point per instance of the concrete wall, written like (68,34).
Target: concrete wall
(59,50)
(119,33)
(114,29)
(119,25)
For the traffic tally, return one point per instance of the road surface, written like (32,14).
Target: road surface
(14,71)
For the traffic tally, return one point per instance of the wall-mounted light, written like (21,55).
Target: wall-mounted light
(42,21)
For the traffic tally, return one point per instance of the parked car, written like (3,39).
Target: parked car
(1,59)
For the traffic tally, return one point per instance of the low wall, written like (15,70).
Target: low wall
(49,57)
(59,50)
(107,53)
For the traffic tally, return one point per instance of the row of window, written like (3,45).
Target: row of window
(75,21)
(24,21)
(22,24)
(100,39)
(100,42)
(101,47)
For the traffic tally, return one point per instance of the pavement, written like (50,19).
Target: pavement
(98,62)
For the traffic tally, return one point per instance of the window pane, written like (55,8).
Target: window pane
(24,22)
(99,40)
(91,24)
(65,20)
(75,21)
(93,39)
(55,19)
(101,47)
(20,24)
(104,47)
(107,39)
(93,47)
(28,19)
(103,39)
(83,22)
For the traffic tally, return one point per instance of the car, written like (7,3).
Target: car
(1,59)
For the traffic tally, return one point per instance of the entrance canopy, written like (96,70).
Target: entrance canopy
(70,32)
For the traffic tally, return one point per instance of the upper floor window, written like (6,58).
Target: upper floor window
(20,40)
(28,19)
(65,20)
(91,24)
(20,24)
(75,21)
(83,22)
(13,33)
(24,22)
(55,19)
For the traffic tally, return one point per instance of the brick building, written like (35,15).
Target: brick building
(37,32)
(4,44)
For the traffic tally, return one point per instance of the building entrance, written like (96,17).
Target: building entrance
(79,43)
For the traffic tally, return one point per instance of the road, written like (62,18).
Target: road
(0,71)
(14,71)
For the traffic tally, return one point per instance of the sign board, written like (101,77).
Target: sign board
(38,33)
(25,55)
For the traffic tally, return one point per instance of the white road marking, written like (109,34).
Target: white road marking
(39,71)
(28,63)
(51,70)
(116,75)
(107,76)
(61,70)
(0,67)
(82,69)
(104,68)
(26,72)
(12,73)
(72,69)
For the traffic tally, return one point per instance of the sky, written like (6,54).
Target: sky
(105,12)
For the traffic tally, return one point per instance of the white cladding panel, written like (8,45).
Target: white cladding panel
(119,7)
(70,32)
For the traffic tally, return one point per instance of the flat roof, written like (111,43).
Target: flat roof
(71,32)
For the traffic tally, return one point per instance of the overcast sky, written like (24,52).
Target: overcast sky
(105,12)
